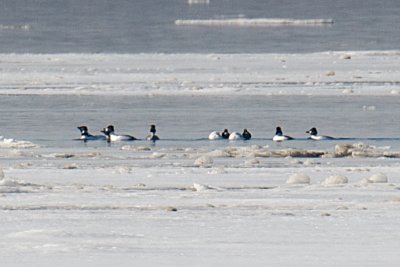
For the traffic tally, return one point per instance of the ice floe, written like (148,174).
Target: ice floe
(12,185)
(335,180)
(204,161)
(16,27)
(202,187)
(378,178)
(11,143)
(298,178)
(198,2)
(258,22)
(356,150)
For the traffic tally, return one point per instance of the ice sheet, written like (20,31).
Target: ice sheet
(99,205)
(255,22)
(329,73)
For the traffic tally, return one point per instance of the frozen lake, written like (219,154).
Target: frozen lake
(185,200)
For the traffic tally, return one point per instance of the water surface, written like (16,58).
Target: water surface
(120,26)
(187,120)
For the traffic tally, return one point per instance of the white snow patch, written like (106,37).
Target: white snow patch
(9,182)
(218,170)
(362,150)
(157,155)
(251,162)
(217,153)
(378,178)
(11,143)
(335,180)
(345,56)
(198,2)
(201,187)
(135,148)
(348,91)
(122,170)
(369,108)
(16,27)
(298,178)
(204,161)
(9,185)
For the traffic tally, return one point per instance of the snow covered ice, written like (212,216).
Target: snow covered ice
(355,73)
(188,201)
(260,22)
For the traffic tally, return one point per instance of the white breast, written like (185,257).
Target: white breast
(315,137)
(116,138)
(279,138)
(318,137)
(214,136)
(93,137)
(235,136)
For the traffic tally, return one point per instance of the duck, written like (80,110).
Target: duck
(113,137)
(215,135)
(279,136)
(314,135)
(246,134)
(86,136)
(152,136)
(225,134)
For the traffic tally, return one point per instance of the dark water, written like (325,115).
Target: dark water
(123,26)
(187,121)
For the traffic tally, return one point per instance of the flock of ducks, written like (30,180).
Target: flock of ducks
(111,136)
(278,137)
(246,135)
